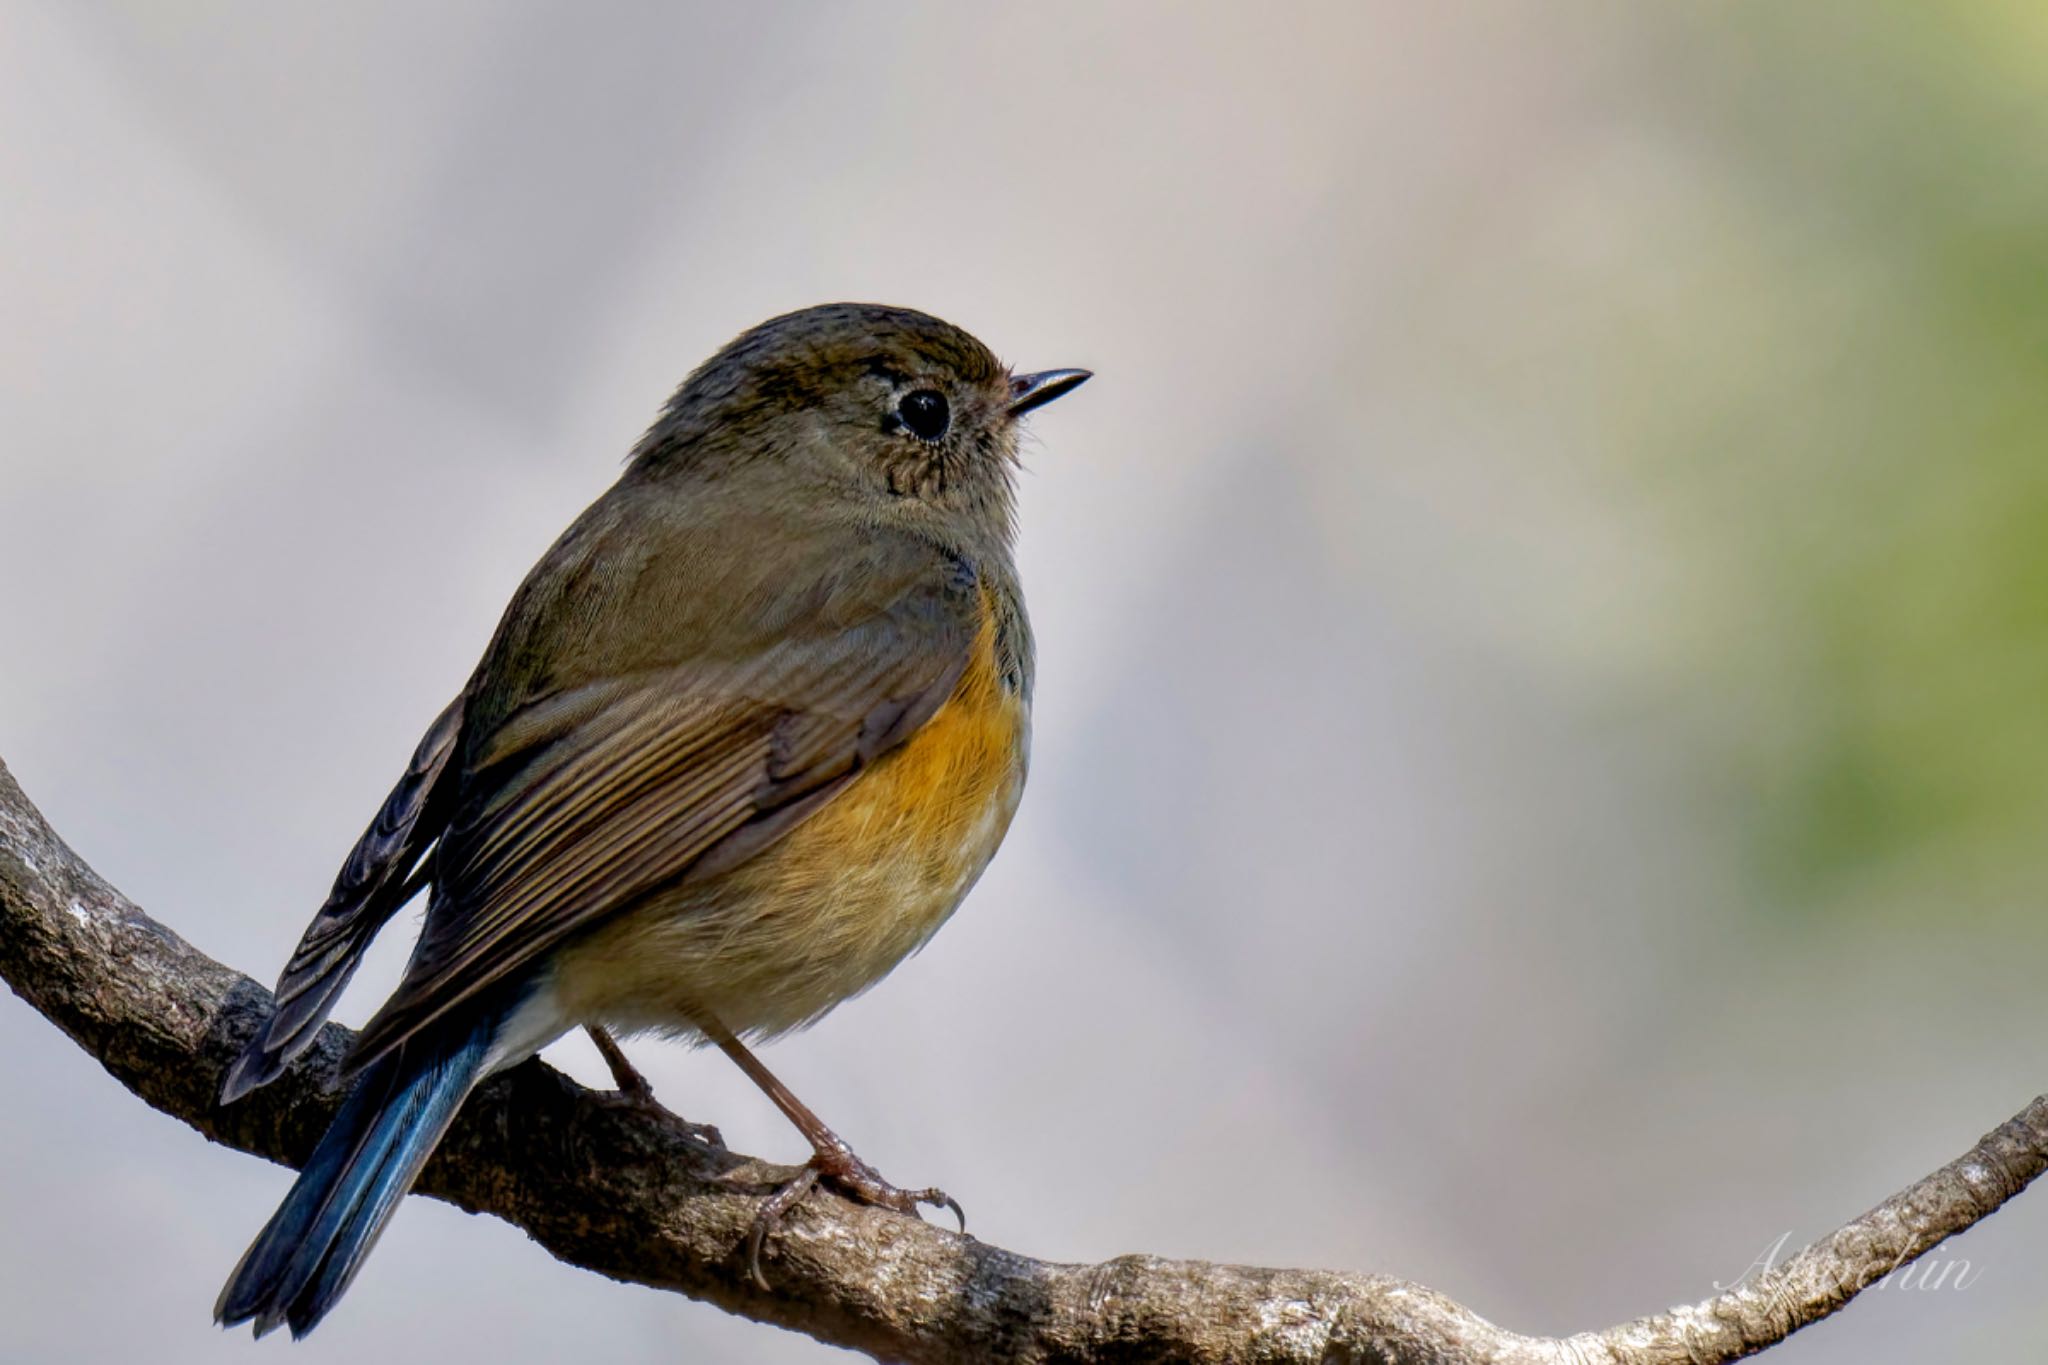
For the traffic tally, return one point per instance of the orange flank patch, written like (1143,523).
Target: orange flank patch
(829,909)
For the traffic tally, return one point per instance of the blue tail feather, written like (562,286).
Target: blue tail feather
(301,1263)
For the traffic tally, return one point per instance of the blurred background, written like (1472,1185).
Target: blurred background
(1542,733)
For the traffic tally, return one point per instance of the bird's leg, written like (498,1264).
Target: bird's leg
(625,1077)
(633,1087)
(831,1161)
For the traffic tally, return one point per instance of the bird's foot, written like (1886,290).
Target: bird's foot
(632,1089)
(836,1165)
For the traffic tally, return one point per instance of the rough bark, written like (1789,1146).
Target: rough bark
(627,1192)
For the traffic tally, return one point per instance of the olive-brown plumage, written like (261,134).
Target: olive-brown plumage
(744,738)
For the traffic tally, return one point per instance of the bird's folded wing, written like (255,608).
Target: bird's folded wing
(583,802)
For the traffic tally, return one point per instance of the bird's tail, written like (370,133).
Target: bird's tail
(301,1263)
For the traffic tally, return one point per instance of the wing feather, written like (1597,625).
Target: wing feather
(582,803)
(371,887)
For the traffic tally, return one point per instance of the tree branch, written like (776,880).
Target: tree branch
(628,1193)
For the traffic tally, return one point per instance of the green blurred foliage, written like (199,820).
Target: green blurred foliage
(1884,441)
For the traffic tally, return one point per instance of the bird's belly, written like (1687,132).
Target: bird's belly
(831,907)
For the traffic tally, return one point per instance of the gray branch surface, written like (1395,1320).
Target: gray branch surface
(626,1191)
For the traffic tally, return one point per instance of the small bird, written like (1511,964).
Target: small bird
(743,740)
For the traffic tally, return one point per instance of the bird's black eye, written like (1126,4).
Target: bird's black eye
(924,414)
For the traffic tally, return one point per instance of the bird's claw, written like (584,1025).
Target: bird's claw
(853,1178)
(632,1089)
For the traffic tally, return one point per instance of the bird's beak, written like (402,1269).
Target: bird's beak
(1028,391)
